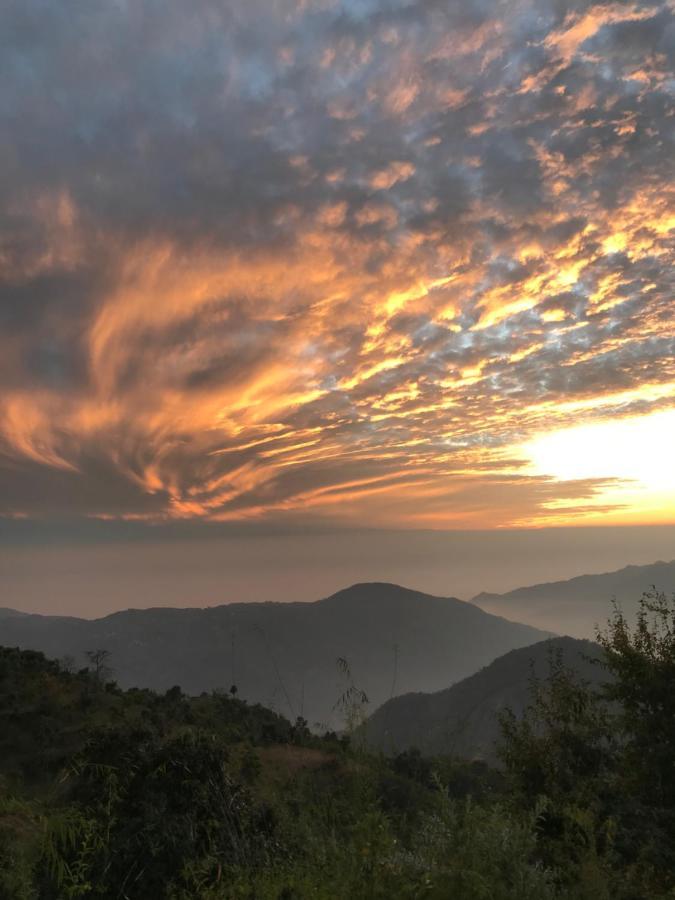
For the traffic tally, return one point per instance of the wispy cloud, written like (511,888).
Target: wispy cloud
(330,259)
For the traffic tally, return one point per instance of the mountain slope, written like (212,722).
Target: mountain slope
(576,606)
(284,654)
(463,720)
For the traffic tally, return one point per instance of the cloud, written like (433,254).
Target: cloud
(328,260)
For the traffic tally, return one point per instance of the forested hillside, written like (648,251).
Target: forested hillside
(110,793)
(283,654)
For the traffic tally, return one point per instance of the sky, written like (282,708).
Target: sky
(111,566)
(309,264)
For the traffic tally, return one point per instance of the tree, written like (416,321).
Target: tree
(601,763)
(98,659)
(642,660)
(563,743)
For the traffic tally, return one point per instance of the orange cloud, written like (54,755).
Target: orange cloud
(346,269)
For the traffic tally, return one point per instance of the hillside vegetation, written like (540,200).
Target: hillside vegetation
(135,794)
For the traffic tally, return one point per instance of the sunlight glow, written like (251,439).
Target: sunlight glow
(639,449)
(624,465)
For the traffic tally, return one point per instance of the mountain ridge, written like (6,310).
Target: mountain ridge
(341,595)
(285,653)
(463,719)
(576,605)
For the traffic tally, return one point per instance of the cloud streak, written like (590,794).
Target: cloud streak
(330,260)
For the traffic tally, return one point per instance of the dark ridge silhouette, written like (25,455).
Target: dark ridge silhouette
(576,606)
(283,655)
(463,720)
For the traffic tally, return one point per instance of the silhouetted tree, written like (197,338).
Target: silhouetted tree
(602,761)
(98,660)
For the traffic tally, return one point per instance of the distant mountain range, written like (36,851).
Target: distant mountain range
(7,613)
(463,720)
(284,655)
(576,606)
(396,641)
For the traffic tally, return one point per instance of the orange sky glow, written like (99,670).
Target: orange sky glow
(372,263)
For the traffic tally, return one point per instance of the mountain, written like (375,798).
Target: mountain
(576,606)
(284,655)
(463,720)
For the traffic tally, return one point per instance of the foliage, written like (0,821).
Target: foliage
(19,847)
(352,700)
(150,812)
(642,660)
(601,763)
(132,794)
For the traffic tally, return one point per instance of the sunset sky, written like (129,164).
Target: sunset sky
(315,263)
